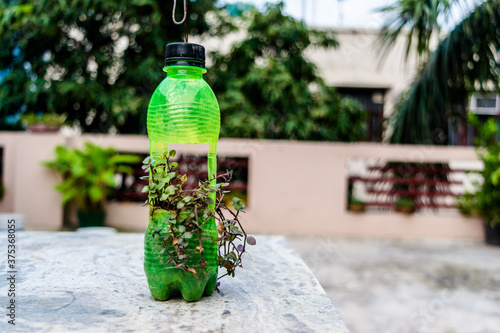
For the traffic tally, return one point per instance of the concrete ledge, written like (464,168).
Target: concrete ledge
(83,282)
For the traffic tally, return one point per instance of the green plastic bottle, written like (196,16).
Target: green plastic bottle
(182,110)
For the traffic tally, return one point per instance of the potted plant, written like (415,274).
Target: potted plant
(46,122)
(484,201)
(189,234)
(88,175)
(405,205)
(357,205)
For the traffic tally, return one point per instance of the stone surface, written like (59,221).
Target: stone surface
(94,282)
(421,286)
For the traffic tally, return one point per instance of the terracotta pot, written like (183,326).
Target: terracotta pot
(357,208)
(43,128)
(405,209)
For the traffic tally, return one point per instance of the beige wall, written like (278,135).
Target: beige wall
(294,187)
(28,185)
(355,63)
(358,63)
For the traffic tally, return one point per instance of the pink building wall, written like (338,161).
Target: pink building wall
(295,188)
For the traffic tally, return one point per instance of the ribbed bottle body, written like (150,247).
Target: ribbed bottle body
(182,110)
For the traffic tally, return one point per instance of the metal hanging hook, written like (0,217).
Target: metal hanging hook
(185,13)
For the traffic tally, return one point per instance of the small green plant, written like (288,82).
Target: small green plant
(355,201)
(88,175)
(356,205)
(467,204)
(190,211)
(45,118)
(485,200)
(406,205)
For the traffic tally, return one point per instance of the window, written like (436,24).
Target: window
(372,99)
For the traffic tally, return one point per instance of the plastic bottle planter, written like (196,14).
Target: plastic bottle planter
(166,280)
(182,110)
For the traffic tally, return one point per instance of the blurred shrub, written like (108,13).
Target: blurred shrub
(485,200)
(267,88)
(88,175)
(98,62)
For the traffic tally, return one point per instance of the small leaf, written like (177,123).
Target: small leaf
(147,160)
(188,235)
(192,270)
(145,189)
(174,165)
(251,240)
(172,153)
(239,248)
(233,256)
(180,204)
(170,190)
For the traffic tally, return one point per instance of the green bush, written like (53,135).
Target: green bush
(89,174)
(485,200)
(267,88)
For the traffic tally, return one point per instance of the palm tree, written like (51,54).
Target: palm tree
(419,19)
(466,60)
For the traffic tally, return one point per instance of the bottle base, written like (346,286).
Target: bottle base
(167,282)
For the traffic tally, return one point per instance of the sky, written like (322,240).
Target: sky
(343,13)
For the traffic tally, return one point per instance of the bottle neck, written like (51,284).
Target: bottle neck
(187,72)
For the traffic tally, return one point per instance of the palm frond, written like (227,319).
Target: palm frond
(465,61)
(419,20)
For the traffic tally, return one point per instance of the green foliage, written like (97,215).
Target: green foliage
(484,201)
(89,174)
(45,118)
(405,202)
(98,62)
(418,20)
(355,201)
(190,210)
(465,61)
(267,88)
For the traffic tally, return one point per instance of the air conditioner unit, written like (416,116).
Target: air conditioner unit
(485,103)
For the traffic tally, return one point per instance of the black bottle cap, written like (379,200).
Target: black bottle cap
(185,54)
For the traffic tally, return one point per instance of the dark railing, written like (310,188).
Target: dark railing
(427,185)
